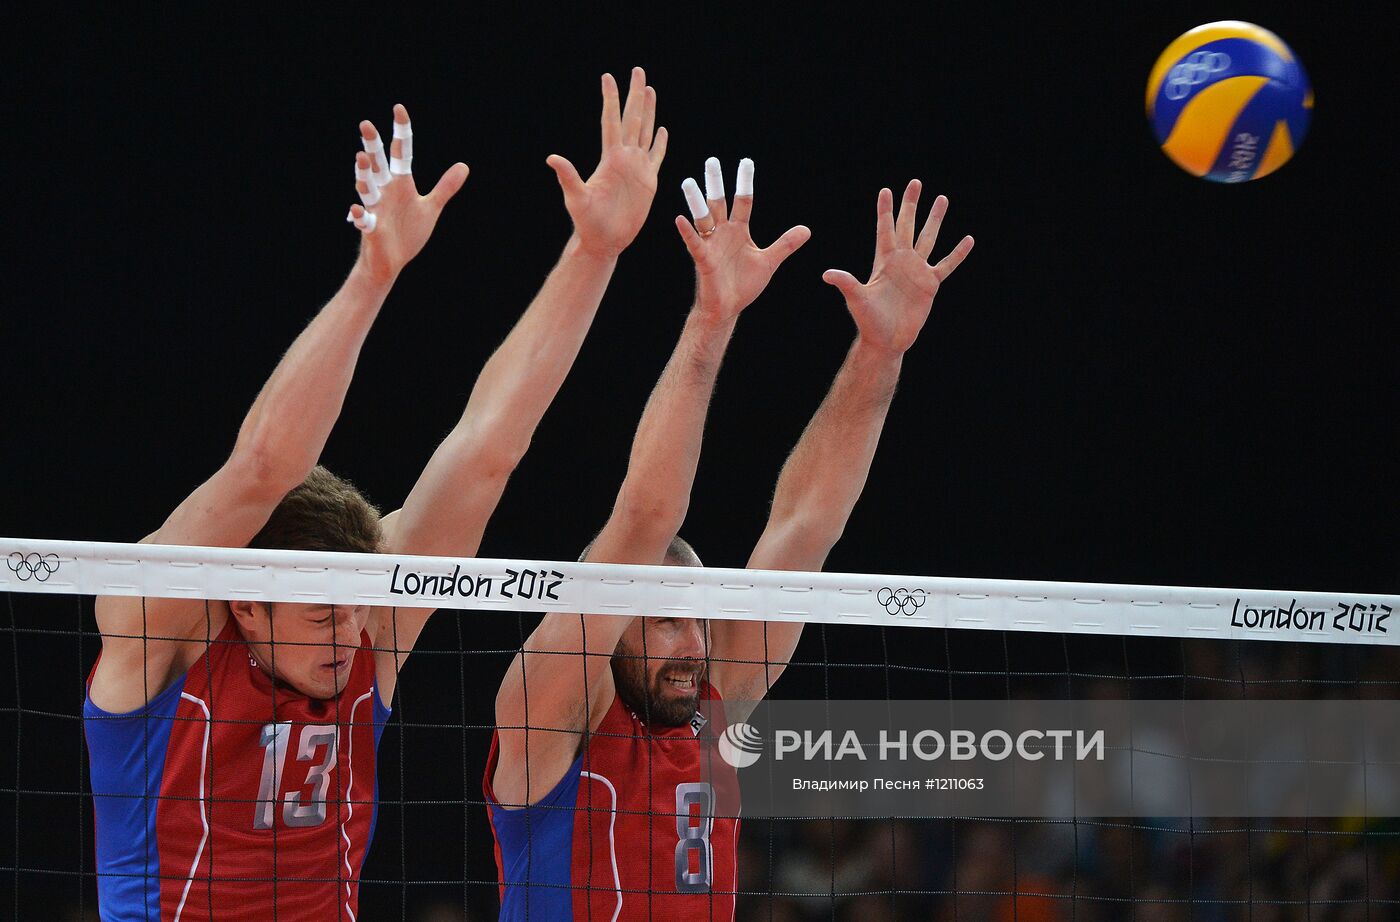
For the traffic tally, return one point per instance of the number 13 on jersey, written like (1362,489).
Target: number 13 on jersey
(297,810)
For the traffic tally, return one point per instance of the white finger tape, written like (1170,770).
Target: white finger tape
(375,149)
(714,180)
(693,198)
(365,223)
(743,185)
(402,164)
(371,194)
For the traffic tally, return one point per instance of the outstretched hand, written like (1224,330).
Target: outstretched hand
(891,308)
(609,209)
(730,269)
(394,220)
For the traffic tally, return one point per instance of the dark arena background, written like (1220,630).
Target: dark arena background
(1137,377)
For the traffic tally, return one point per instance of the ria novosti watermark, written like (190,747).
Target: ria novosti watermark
(1058,758)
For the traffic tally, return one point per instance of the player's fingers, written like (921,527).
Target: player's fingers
(714,190)
(884,222)
(374,147)
(364,185)
(448,185)
(699,210)
(394,147)
(648,118)
(632,109)
(842,281)
(692,239)
(362,219)
(908,211)
(789,243)
(658,149)
(612,119)
(947,264)
(743,193)
(401,148)
(564,171)
(929,235)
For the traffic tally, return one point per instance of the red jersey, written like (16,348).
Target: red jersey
(644,825)
(226,795)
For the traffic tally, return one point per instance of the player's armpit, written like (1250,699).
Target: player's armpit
(147,643)
(551,695)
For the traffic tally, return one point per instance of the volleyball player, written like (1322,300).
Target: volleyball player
(594,782)
(233,744)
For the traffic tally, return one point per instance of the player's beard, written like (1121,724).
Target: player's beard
(658,702)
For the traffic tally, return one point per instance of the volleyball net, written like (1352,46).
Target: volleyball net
(869,638)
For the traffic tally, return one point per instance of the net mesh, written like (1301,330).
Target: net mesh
(433,856)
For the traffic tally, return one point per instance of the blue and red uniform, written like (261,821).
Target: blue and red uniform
(643,825)
(226,796)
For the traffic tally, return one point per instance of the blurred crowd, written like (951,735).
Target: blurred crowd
(1041,870)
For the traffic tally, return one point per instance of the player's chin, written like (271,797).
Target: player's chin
(316,686)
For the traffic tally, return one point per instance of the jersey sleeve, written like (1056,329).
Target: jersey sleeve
(534,846)
(126,753)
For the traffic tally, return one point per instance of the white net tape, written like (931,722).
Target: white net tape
(156,571)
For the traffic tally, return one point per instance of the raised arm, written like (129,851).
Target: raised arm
(283,433)
(562,678)
(825,473)
(447,511)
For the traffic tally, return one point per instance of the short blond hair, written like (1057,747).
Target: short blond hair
(323,513)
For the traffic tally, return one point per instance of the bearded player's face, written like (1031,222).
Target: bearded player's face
(309,647)
(658,667)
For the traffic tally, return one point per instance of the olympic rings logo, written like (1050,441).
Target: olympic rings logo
(1198,67)
(38,567)
(901,601)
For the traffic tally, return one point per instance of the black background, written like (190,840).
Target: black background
(1137,376)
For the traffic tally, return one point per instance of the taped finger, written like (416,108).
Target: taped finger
(401,159)
(743,183)
(714,180)
(743,192)
(704,221)
(366,186)
(365,220)
(714,190)
(379,166)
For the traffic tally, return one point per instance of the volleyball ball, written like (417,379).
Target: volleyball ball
(1229,101)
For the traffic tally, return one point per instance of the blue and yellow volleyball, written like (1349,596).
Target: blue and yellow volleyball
(1229,102)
